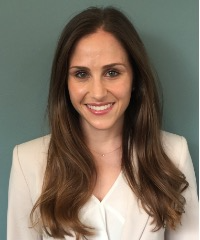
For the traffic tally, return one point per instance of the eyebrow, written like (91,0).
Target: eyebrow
(104,67)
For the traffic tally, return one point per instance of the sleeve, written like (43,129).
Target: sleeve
(19,204)
(188,229)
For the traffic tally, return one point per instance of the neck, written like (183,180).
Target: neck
(106,149)
(103,141)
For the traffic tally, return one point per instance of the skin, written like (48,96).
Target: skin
(100,84)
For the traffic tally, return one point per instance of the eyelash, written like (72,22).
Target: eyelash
(111,71)
(78,74)
(83,74)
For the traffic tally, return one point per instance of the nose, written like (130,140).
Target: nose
(98,89)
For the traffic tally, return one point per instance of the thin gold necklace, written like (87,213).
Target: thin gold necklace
(104,154)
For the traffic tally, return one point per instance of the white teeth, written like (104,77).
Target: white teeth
(99,108)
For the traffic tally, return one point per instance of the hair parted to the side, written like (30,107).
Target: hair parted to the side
(70,172)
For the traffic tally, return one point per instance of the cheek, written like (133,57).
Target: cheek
(76,92)
(124,90)
(71,87)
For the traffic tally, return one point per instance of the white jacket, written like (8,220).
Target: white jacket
(117,217)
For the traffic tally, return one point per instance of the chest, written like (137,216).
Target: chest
(106,178)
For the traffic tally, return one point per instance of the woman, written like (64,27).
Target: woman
(107,171)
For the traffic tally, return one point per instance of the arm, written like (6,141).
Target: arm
(188,230)
(19,204)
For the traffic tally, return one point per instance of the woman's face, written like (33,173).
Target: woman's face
(100,81)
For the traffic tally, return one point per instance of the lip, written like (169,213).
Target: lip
(100,108)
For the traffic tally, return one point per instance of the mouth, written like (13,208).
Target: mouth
(100,109)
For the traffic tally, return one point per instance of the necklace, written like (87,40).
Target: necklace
(104,154)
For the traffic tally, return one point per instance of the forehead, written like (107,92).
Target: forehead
(99,45)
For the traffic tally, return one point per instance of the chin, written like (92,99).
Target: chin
(105,126)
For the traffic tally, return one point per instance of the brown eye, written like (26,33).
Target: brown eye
(81,74)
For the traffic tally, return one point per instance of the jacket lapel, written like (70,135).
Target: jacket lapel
(136,221)
(136,218)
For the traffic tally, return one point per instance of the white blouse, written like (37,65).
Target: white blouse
(108,216)
(118,216)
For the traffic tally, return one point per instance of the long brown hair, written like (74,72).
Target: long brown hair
(70,170)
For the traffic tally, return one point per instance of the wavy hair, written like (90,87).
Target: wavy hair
(70,170)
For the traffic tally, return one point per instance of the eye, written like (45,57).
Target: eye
(81,74)
(112,73)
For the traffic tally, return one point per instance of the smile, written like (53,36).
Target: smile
(99,108)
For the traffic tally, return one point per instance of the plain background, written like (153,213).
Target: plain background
(29,32)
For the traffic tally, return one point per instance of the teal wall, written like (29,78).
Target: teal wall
(28,34)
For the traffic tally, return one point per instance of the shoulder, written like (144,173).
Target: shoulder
(28,167)
(34,146)
(29,160)
(33,153)
(170,140)
(175,147)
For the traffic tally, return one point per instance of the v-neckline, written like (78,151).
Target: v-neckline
(109,191)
